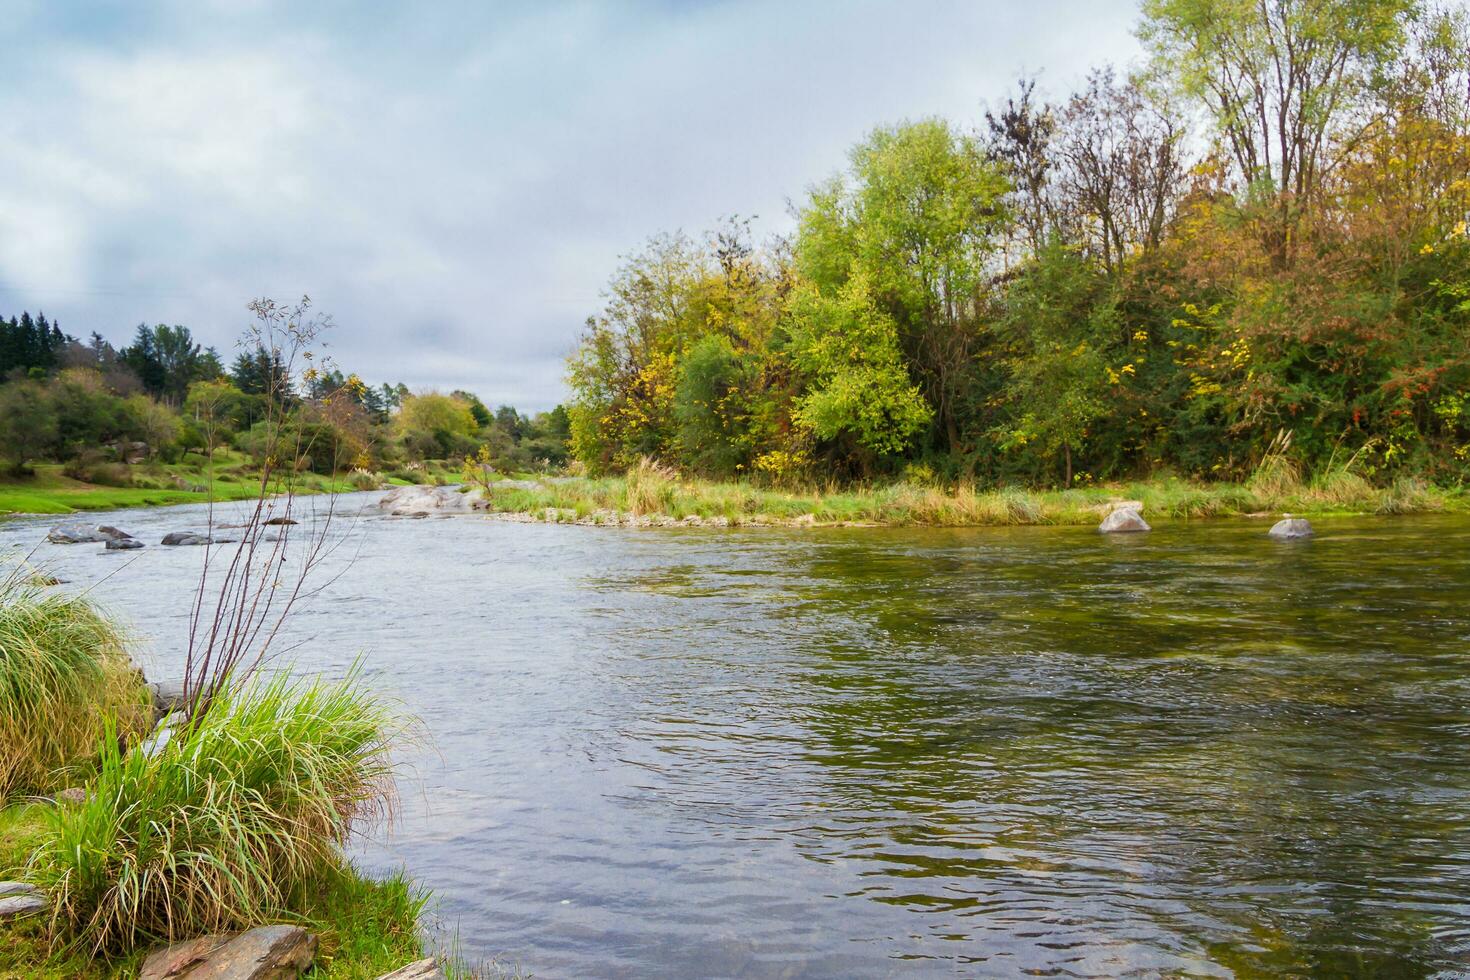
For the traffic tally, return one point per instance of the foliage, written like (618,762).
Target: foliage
(1071,295)
(857,389)
(64,676)
(221,827)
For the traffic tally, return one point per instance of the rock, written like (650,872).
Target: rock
(265,953)
(21,904)
(122,544)
(426,969)
(9,888)
(416,500)
(74,534)
(116,534)
(72,795)
(279,522)
(1291,529)
(163,733)
(1123,520)
(167,697)
(175,538)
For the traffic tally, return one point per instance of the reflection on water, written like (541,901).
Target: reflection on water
(864,752)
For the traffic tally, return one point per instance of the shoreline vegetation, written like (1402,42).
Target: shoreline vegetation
(254,793)
(652,495)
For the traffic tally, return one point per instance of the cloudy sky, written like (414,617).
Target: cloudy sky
(454,182)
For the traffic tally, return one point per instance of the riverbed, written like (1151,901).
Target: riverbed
(870,752)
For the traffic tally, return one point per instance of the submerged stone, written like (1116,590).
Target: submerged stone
(1123,520)
(123,544)
(1291,529)
(75,534)
(175,538)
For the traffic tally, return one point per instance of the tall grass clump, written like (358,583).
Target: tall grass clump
(1277,476)
(650,487)
(225,825)
(63,674)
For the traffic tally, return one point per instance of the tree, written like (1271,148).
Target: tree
(1280,78)
(1121,168)
(167,360)
(919,225)
(1059,315)
(30,423)
(857,389)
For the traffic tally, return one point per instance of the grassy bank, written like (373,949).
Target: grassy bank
(229,476)
(237,819)
(651,495)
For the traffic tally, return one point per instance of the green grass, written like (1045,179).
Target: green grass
(65,678)
(651,492)
(230,476)
(221,828)
(364,927)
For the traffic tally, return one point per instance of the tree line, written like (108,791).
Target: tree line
(1256,243)
(96,408)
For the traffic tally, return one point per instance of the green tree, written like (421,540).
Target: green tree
(30,423)
(1059,317)
(918,221)
(857,393)
(1289,83)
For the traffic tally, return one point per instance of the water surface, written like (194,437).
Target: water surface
(869,753)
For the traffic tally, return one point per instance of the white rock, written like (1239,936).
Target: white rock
(1122,521)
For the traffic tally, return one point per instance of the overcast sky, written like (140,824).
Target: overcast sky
(454,182)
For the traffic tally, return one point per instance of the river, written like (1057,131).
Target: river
(883,752)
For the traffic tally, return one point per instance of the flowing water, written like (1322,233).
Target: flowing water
(865,752)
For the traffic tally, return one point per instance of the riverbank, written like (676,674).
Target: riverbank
(650,499)
(131,818)
(193,480)
(364,928)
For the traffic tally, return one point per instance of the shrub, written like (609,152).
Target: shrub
(91,466)
(224,826)
(64,676)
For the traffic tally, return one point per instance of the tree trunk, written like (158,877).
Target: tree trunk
(1067,455)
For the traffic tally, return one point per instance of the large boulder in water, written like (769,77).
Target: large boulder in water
(1291,529)
(417,500)
(75,534)
(1122,521)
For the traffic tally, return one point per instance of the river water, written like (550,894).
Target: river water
(881,752)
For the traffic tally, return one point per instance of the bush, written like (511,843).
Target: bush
(91,466)
(64,678)
(227,824)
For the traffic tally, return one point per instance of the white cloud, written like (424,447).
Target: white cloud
(455,184)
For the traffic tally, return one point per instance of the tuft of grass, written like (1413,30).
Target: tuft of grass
(221,828)
(650,488)
(65,678)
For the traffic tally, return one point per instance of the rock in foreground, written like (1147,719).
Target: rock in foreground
(19,898)
(426,969)
(1123,520)
(266,953)
(1291,529)
(123,544)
